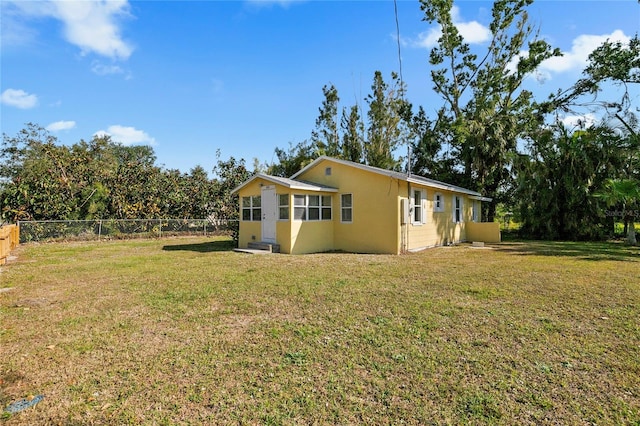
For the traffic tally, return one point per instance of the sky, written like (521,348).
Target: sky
(190,78)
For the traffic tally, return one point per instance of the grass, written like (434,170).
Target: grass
(184,331)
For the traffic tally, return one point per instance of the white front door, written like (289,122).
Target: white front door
(269,212)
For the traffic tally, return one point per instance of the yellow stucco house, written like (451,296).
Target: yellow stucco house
(334,204)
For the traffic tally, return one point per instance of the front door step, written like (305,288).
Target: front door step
(269,247)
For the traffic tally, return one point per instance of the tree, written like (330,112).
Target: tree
(292,159)
(626,194)
(37,178)
(425,147)
(229,175)
(384,132)
(485,109)
(325,137)
(352,135)
(556,182)
(616,63)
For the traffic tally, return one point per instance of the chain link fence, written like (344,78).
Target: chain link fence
(109,229)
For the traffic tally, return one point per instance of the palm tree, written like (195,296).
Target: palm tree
(624,192)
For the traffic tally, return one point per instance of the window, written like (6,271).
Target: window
(313,204)
(475,212)
(346,208)
(438,202)
(312,207)
(457,209)
(299,207)
(251,208)
(326,207)
(419,214)
(283,206)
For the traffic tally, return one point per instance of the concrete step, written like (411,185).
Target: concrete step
(270,247)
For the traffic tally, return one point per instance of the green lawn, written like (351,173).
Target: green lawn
(185,331)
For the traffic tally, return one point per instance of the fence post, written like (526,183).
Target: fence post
(99,229)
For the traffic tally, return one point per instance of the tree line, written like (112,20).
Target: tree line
(489,134)
(101,179)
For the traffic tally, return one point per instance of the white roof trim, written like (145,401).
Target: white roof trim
(475,197)
(286,182)
(397,175)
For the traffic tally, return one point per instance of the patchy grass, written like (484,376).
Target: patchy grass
(185,331)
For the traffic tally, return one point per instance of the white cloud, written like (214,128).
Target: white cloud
(579,121)
(574,60)
(127,135)
(19,99)
(472,31)
(582,46)
(14,30)
(61,125)
(428,39)
(91,25)
(101,69)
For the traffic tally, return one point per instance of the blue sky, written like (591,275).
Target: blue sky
(244,77)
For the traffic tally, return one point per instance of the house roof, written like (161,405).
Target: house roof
(419,180)
(288,183)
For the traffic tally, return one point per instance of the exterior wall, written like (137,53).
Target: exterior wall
(375,226)
(283,227)
(294,236)
(249,229)
(439,228)
(311,236)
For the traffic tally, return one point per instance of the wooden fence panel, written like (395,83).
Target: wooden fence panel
(9,239)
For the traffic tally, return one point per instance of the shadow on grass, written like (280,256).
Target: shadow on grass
(582,250)
(207,247)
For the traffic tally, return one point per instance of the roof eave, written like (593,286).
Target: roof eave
(291,185)
(481,198)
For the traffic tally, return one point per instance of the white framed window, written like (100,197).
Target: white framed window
(325,207)
(300,207)
(475,211)
(438,202)
(419,205)
(252,208)
(346,208)
(283,206)
(312,207)
(457,209)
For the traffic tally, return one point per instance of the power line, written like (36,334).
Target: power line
(395,8)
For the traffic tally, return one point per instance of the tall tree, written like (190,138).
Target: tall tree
(352,135)
(385,127)
(485,110)
(425,147)
(325,137)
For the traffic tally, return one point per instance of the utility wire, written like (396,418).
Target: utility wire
(395,8)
